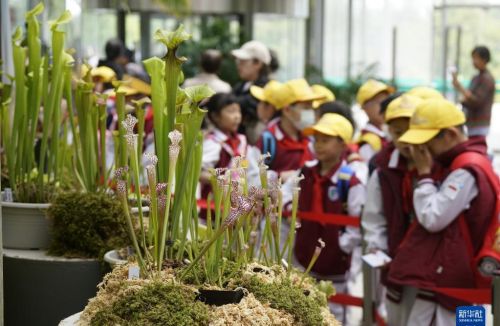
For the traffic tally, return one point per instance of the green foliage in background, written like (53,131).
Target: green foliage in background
(215,34)
(346,91)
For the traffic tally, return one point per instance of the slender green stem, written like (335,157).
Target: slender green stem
(128,218)
(291,234)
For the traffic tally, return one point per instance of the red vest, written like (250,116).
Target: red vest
(290,154)
(396,184)
(332,260)
(426,260)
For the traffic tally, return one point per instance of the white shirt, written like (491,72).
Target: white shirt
(437,207)
(366,151)
(373,221)
(212,80)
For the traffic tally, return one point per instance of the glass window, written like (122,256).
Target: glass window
(286,36)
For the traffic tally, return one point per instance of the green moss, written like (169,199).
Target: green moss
(288,297)
(86,225)
(155,304)
(197,275)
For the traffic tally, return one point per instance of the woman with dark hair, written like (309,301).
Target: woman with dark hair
(478,99)
(252,60)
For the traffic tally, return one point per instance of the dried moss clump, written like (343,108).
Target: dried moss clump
(86,225)
(250,312)
(284,295)
(157,303)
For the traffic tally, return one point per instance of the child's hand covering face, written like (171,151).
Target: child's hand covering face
(422,158)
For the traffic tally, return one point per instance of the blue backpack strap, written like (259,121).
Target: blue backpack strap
(344,180)
(268,146)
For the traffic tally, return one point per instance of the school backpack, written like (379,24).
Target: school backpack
(343,182)
(269,146)
(488,258)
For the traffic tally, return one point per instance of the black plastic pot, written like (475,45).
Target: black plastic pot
(220,297)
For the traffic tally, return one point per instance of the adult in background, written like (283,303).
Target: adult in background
(478,98)
(210,63)
(252,60)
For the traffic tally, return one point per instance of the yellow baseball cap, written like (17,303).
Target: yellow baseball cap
(332,124)
(273,93)
(133,86)
(322,90)
(106,74)
(137,84)
(429,118)
(402,107)
(425,93)
(371,88)
(298,90)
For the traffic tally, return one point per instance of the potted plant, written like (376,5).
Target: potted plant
(212,279)
(34,152)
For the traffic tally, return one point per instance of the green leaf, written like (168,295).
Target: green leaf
(199,93)
(17,35)
(140,103)
(172,40)
(37,10)
(68,59)
(63,19)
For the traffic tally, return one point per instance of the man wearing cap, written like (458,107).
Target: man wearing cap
(252,61)
(388,211)
(370,96)
(329,186)
(284,140)
(449,209)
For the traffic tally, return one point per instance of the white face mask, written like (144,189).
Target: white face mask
(307,119)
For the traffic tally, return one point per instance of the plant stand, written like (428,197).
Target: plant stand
(42,290)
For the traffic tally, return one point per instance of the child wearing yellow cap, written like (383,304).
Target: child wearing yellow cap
(283,139)
(370,96)
(329,186)
(271,99)
(388,210)
(452,212)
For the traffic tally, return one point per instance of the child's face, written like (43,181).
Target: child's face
(372,108)
(301,114)
(265,111)
(248,70)
(397,128)
(328,148)
(229,118)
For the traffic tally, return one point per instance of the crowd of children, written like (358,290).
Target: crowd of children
(430,187)
(425,193)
